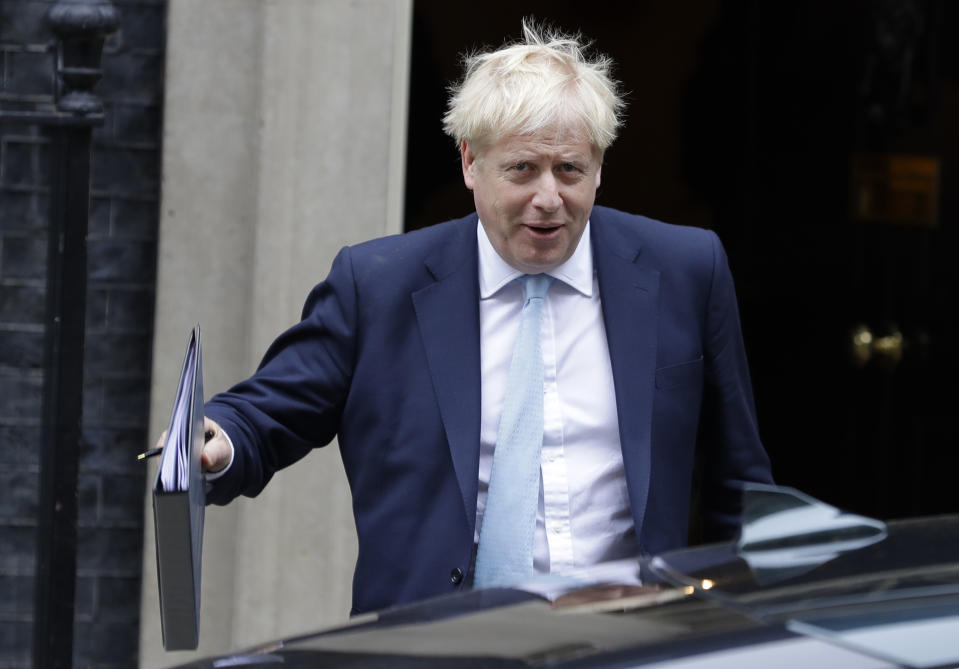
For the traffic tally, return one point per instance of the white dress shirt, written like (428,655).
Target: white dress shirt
(584,515)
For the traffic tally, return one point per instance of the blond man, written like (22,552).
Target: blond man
(404,353)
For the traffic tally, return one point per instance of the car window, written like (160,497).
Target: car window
(888,589)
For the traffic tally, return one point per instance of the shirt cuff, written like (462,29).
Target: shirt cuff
(213,476)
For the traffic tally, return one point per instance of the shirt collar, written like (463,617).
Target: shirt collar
(495,273)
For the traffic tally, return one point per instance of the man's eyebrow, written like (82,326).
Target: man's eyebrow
(519,154)
(522,155)
(511,159)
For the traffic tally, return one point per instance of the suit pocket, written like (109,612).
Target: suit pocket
(679,375)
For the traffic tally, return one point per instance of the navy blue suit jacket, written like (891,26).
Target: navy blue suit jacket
(386,359)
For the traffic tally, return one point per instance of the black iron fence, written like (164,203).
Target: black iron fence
(77,275)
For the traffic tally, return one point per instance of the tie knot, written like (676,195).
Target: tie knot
(536,285)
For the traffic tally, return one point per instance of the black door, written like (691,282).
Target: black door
(843,235)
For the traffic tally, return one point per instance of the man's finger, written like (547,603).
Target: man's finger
(161,441)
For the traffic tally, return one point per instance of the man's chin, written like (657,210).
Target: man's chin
(538,264)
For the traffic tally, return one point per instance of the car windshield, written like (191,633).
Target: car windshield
(889,591)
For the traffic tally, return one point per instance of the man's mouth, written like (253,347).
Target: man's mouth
(543,229)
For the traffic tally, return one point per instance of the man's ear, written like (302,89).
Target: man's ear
(599,173)
(468,159)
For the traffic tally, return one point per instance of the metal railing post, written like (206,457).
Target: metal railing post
(81,27)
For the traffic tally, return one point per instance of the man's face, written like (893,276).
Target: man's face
(533,194)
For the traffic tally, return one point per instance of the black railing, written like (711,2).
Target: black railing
(80,27)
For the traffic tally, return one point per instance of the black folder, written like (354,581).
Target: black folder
(178,506)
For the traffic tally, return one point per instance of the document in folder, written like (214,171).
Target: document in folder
(178,506)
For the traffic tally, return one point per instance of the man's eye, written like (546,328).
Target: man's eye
(521,167)
(569,167)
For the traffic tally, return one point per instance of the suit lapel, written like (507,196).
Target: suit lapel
(447,312)
(630,297)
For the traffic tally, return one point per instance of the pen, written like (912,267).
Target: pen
(150,452)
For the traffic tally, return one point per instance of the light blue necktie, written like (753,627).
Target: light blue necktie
(505,553)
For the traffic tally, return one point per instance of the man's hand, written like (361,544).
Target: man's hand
(217,450)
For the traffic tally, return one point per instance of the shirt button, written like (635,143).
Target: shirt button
(456,576)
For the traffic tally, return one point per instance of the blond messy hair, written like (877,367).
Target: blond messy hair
(523,88)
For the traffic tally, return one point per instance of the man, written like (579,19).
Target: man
(405,353)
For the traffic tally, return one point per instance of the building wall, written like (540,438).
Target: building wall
(121,281)
(284,140)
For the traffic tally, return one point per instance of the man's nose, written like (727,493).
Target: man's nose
(547,196)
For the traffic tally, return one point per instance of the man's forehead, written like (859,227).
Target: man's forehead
(547,143)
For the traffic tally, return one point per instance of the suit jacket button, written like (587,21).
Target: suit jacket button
(456,576)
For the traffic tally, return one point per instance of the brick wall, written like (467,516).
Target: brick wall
(122,273)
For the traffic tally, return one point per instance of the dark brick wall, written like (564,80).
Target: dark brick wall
(122,275)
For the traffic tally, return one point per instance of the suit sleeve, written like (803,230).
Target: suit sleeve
(731,452)
(294,401)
